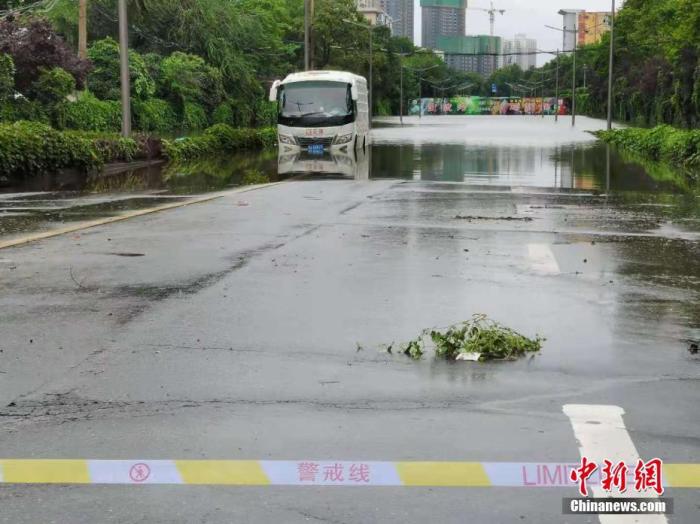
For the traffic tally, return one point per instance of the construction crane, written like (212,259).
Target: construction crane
(492,15)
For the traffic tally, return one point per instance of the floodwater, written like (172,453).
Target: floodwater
(494,151)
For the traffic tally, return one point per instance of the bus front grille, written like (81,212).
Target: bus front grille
(306,142)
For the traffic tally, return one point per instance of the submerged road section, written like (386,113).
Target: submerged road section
(227,361)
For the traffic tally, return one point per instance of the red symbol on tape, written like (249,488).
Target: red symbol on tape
(140,472)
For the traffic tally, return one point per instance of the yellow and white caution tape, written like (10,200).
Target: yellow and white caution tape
(311,473)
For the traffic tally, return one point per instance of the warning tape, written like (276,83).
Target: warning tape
(310,473)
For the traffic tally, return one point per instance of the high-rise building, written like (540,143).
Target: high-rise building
(400,17)
(372,11)
(520,50)
(570,28)
(592,26)
(476,54)
(442,18)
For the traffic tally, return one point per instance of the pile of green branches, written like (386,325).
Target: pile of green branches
(479,338)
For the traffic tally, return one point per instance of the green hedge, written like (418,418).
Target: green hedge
(217,139)
(88,113)
(31,148)
(155,115)
(677,146)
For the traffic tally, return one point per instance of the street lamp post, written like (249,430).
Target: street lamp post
(573,88)
(556,95)
(542,105)
(420,84)
(401,102)
(610,65)
(371,29)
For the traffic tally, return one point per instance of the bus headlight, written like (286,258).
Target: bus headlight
(343,139)
(286,139)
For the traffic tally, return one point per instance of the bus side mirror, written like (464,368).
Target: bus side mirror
(353,92)
(273,91)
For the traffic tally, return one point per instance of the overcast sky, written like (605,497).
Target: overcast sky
(524,16)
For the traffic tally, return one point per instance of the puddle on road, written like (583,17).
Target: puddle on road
(658,194)
(57,199)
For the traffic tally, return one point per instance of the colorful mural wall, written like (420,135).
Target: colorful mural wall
(481,105)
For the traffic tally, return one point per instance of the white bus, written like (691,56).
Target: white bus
(322,111)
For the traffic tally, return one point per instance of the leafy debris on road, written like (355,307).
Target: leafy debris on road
(479,339)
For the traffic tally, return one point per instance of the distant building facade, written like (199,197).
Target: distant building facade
(522,51)
(592,26)
(373,11)
(477,54)
(570,27)
(442,18)
(401,17)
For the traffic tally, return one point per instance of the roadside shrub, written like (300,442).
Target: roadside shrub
(217,139)
(29,148)
(53,86)
(21,108)
(676,146)
(88,113)
(265,114)
(223,114)
(194,117)
(110,147)
(155,115)
(7,77)
(104,79)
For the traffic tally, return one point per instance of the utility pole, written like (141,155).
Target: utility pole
(124,62)
(573,88)
(542,92)
(307,35)
(82,29)
(556,95)
(371,75)
(401,103)
(610,65)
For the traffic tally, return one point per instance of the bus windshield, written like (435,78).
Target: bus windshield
(316,104)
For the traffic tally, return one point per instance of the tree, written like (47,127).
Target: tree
(104,80)
(190,80)
(35,45)
(7,77)
(53,86)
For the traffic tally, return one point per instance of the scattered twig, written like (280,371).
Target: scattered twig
(79,284)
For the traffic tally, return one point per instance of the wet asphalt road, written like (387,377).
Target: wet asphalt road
(234,336)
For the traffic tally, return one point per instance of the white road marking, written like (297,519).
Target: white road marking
(601,435)
(542,259)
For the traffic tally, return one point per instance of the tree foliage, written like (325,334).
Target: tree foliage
(34,46)
(104,79)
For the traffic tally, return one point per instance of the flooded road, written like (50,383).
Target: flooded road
(259,331)
(494,151)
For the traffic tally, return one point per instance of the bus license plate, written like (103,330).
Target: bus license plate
(316,149)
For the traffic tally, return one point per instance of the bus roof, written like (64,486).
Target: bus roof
(329,76)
